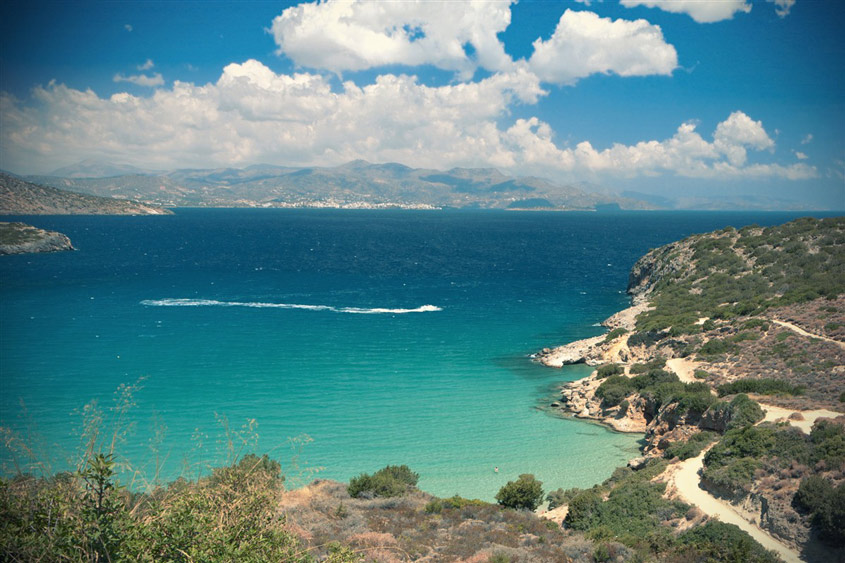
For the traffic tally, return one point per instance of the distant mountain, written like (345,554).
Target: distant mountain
(93,168)
(354,184)
(19,197)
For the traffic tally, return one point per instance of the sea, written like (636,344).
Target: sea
(335,341)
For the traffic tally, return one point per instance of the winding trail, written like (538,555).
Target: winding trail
(685,482)
(802,332)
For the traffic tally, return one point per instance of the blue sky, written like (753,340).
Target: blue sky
(683,99)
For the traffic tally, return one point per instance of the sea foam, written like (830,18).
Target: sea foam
(262,305)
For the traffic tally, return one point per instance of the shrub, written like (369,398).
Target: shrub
(743,412)
(692,447)
(655,364)
(390,481)
(701,374)
(614,389)
(830,518)
(526,492)
(812,493)
(828,439)
(561,497)
(607,370)
(718,541)
(762,386)
(615,333)
(716,347)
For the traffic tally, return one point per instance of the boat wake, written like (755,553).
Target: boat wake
(261,305)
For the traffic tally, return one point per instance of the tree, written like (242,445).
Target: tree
(525,492)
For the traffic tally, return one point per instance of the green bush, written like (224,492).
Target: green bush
(390,481)
(607,370)
(691,447)
(655,364)
(762,386)
(718,541)
(701,374)
(526,492)
(812,493)
(615,333)
(828,439)
(717,347)
(561,497)
(614,389)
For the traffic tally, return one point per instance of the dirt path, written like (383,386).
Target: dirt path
(802,332)
(684,480)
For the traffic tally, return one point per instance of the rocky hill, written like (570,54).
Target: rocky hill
(19,197)
(736,337)
(19,238)
(355,184)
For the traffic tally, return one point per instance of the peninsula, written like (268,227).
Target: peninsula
(731,361)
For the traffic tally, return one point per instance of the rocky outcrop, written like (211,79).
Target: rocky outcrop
(596,350)
(666,262)
(20,238)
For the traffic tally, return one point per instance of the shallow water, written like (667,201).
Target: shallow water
(387,337)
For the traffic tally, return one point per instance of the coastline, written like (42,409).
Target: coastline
(578,397)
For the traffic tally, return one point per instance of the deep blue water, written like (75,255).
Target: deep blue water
(388,337)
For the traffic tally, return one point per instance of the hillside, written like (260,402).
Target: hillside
(731,332)
(19,197)
(19,238)
(355,184)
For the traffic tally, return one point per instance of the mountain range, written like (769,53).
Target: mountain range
(360,184)
(355,184)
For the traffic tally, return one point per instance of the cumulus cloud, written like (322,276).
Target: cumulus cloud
(251,114)
(702,11)
(584,43)
(349,35)
(146,66)
(141,79)
(782,7)
(686,153)
(800,155)
(807,139)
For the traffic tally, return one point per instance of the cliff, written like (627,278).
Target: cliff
(19,238)
(18,197)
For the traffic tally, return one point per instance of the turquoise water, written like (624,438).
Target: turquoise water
(386,337)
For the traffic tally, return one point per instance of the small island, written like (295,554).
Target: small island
(20,238)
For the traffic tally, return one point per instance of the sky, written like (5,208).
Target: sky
(684,98)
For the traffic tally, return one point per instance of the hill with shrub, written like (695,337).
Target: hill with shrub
(728,327)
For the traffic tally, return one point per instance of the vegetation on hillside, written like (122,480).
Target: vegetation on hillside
(737,273)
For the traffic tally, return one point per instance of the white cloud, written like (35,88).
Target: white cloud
(782,7)
(141,79)
(737,132)
(128,27)
(685,154)
(702,11)
(583,44)
(146,66)
(807,139)
(800,155)
(348,35)
(251,114)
